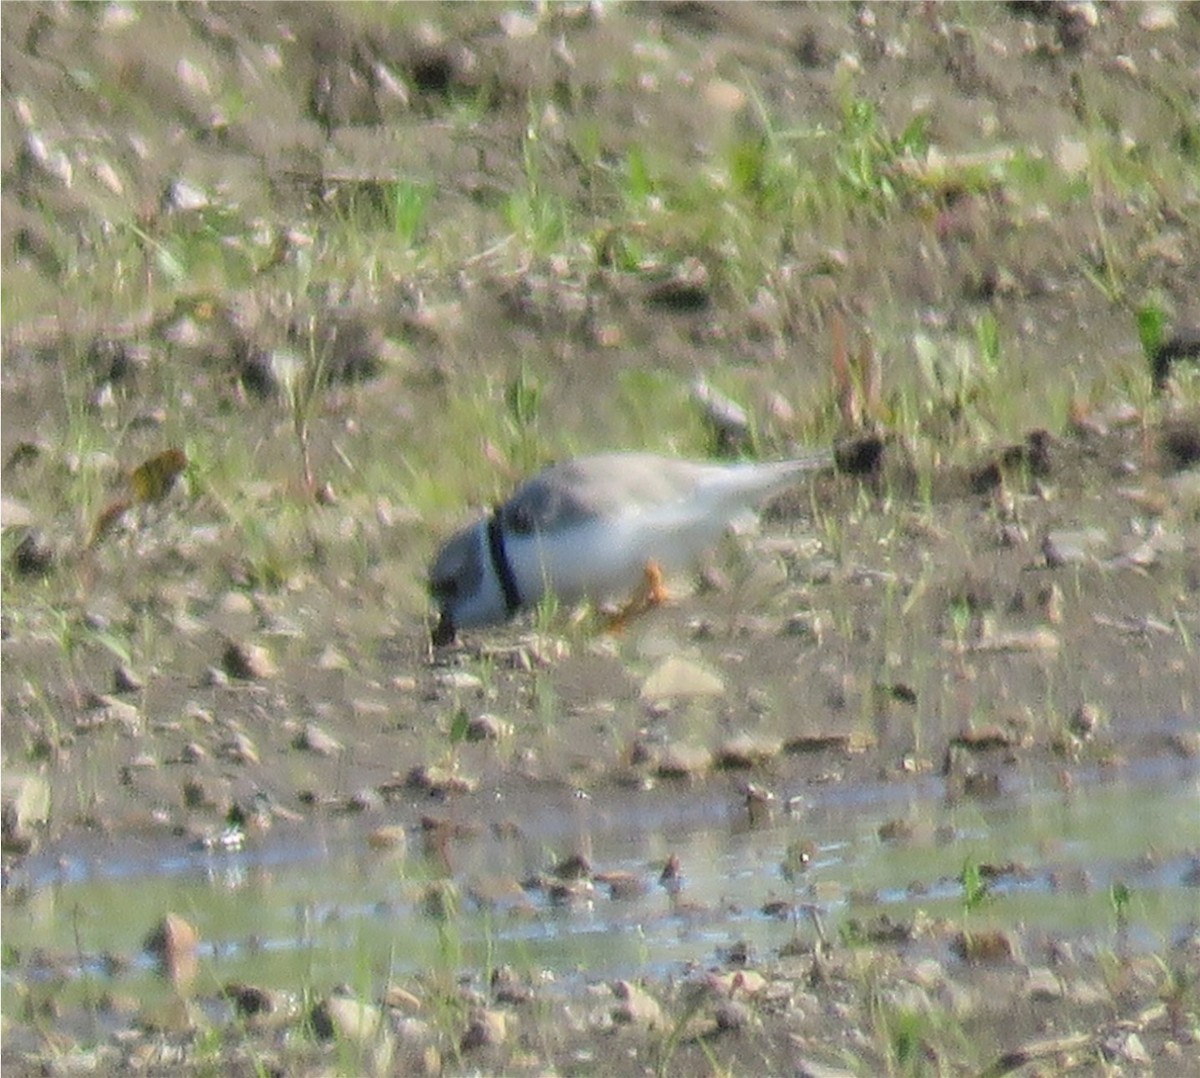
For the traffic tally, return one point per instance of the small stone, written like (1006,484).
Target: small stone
(748,750)
(1128,1046)
(509,987)
(897,830)
(806,625)
(571,893)
(240,748)
(252,1002)
(1050,599)
(818,742)
(342,1017)
(236,603)
(1185,743)
(486,1028)
(989,945)
(679,760)
(687,288)
(175,943)
(439,780)
(498,892)
(123,714)
(26,806)
(929,973)
(743,982)
(676,678)
(1158,17)
(732,1015)
(458,680)
(332,659)
(314,739)
(724,96)
(1084,720)
(760,803)
(364,800)
(573,867)
(248,662)
(400,999)
(33,556)
(1078,547)
(391,837)
(125,680)
(1042,985)
(1071,155)
(728,420)
(517,24)
(636,1007)
(488,727)
(1045,641)
(184,196)
(621,885)
(14,514)
(986,737)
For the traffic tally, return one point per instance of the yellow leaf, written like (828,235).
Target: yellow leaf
(152,480)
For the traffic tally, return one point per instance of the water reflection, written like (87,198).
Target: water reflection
(311,900)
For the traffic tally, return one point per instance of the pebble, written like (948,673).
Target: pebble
(26,800)
(486,1028)
(1042,985)
(240,748)
(175,943)
(458,680)
(488,727)
(679,760)
(1158,17)
(125,680)
(439,780)
(636,1007)
(1077,547)
(1033,640)
(748,750)
(400,999)
(248,662)
(676,678)
(342,1017)
(315,739)
(391,837)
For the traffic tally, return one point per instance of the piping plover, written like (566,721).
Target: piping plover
(595,528)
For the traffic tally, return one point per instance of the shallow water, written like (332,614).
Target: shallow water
(313,904)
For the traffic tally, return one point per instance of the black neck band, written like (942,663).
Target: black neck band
(504,573)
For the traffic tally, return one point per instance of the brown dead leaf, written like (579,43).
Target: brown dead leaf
(107,520)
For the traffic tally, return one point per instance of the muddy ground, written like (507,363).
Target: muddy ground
(1016,587)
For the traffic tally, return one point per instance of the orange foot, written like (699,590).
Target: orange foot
(651,592)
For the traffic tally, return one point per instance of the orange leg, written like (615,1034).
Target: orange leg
(650,593)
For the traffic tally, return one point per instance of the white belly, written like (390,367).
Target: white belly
(608,560)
